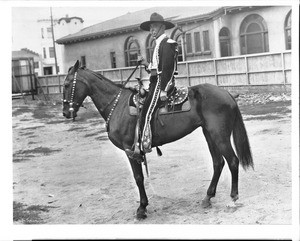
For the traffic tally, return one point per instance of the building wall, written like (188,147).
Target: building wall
(97,52)
(192,29)
(39,70)
(274,17)
(46,42)
(63,29)
(60,29)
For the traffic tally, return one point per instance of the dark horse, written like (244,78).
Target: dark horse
(212,107)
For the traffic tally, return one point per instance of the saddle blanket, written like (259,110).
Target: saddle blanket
(177,102)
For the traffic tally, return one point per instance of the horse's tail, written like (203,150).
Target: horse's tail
(241,142)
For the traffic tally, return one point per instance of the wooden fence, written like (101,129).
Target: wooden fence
(237,71)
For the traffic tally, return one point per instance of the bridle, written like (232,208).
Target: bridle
(71,102)
(115,100)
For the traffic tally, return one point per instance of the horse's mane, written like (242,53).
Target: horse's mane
(97,74)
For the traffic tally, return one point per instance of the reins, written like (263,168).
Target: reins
(118,97)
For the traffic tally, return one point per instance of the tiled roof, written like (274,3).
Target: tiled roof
(24,53)
(132,21)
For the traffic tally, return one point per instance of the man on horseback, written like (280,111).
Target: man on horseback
(162,68)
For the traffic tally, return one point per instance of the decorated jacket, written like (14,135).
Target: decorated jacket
(167,63)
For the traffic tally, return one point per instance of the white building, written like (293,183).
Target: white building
(61,27)
(201,32)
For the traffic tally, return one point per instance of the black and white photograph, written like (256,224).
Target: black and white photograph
(150,119)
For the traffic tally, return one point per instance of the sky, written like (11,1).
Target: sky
(24,15)
(25,28)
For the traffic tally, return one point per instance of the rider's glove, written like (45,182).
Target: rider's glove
(163,95)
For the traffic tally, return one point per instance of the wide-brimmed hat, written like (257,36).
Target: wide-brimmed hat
(156,18)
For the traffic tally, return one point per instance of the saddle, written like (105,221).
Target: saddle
(177,102)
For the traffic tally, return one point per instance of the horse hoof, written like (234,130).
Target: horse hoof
(234,198)
(141,214)
(205,204)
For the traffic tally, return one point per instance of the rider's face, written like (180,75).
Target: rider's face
(157,29)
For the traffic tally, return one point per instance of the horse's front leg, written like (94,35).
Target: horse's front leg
(139,178)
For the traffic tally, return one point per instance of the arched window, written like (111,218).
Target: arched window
(132,50)
(224,38)
(288,30)
(150,44)
(254,35)
(177,36)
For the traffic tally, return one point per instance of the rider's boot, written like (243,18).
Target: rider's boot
(136,154)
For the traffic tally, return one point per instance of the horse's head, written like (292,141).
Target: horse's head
(75,91)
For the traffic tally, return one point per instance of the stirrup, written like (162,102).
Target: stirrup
(135,156)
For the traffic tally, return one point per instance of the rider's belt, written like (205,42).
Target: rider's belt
(153,72)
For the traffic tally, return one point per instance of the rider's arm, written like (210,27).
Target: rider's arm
(168,65)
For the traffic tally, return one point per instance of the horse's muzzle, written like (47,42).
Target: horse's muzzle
(69,114)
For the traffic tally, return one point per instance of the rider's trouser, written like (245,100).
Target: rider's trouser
(149,107)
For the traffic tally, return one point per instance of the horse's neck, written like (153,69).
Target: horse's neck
(103,94)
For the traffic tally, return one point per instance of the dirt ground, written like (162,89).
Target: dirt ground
(68,172)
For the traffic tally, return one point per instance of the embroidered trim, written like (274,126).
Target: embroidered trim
(179,97)
(155,57)
(150,110)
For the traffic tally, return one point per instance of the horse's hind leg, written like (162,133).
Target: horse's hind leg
(233,163)
(222,141)
(218,164)
(139,178)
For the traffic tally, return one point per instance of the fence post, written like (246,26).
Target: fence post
(247,73)
(59,83)
(121,75)
(30,74)
(141,75)
(216,77)
(283,68)
(188,73)
(47,85)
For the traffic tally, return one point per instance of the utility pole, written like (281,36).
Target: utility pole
(53,40)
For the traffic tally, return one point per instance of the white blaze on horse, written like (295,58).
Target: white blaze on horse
(208,106)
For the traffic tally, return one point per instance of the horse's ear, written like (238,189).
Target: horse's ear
(76,66)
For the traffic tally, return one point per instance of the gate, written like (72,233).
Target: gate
(23,77)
